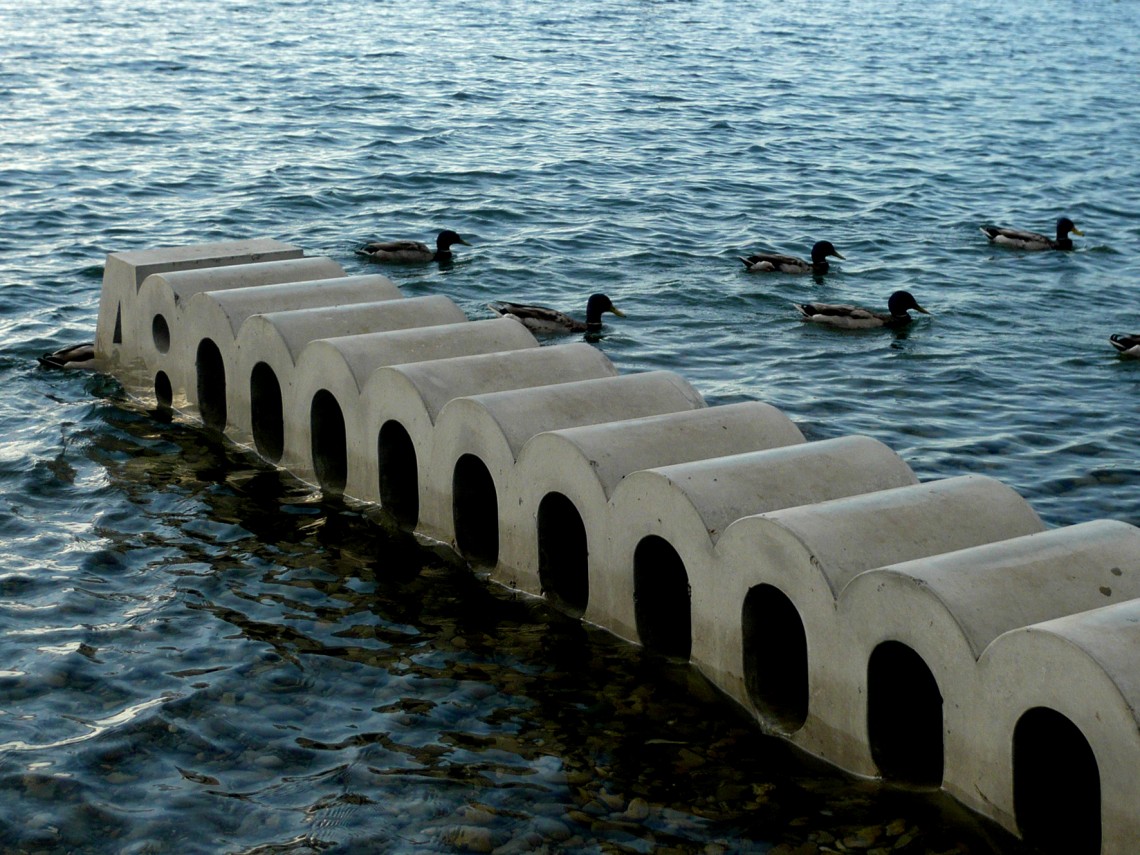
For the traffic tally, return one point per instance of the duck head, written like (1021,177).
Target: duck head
(597,304)
(1065,227)
(901,301)
(821,251)
(447,239)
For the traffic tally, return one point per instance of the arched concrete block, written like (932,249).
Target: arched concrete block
(947,609)
(478,439)
(269,346)
(785,569)
(124,273)
(401,403)
(672,516)
(570,475)
(331,373)
(1081,670)
(218,315)
(159,328)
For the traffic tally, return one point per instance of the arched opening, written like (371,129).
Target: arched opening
(475,510)
(163,391)
(661,598)
(904,715)
(399,473)
(160,332)
(563,554)
(1056,784)
(211,385)
(266,412)
(328,442)
(775,656)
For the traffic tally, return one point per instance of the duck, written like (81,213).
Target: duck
(1127,345)
(412,251)
(856,318)
(540,319)
(1019,239)
(770,262)
(81,356)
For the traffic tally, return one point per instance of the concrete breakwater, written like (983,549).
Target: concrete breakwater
(932,632)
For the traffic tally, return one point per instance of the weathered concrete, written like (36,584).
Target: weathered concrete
(947,609)
(1075,672)
(664,523)
(324,411)
(162,335)
(124,273)
(803,557)
(478,439)
(218,315)
(565,479)
(269,346)
(401,403)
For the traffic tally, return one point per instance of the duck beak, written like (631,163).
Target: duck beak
(919,308)
(617,311)
(465,243)
(837,255)
(1077,231)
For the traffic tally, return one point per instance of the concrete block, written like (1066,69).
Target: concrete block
(218,315)
(782,572)
(124,272)
(324,411)
(479,438)
(664,522)
(1060,732)
(401,403)
(564,479)
(162,334)
(269,345)
(910,675)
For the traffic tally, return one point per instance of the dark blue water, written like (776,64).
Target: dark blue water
(200,655)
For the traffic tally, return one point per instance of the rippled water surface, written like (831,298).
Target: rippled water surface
(199,655)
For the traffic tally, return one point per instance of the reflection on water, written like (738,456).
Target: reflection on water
(274,672)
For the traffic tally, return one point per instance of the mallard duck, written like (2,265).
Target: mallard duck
(770,262)
(412,251)
(1128,345)
(77,356)
(540,319)
(1031,240)
(855,318)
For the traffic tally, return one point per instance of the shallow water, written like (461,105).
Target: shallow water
(200,654)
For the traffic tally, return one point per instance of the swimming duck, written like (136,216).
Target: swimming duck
(1128,345)
(770,262)
(540,319)
(855,318)
(77,356)
(1031,240)
(412,251)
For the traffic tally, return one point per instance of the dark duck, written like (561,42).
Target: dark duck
(856,318)
(1018,239)
(540,319)
(412,251)
(770,262)
(81,356)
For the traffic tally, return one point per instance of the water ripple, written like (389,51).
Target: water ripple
(201,639)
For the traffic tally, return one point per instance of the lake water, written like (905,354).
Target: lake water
(201,655)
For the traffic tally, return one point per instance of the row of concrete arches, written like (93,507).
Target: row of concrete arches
(596,508)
